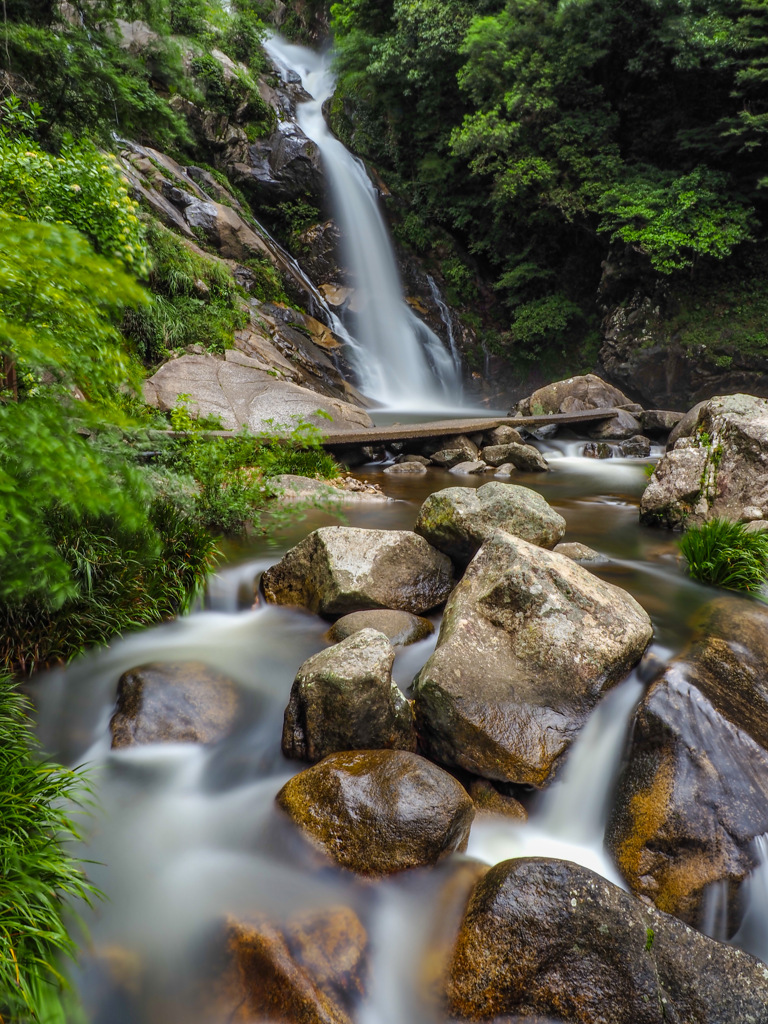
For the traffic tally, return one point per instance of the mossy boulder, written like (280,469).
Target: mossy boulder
(376,812)
(344,698)
(528,643)
(551,939)
(458,520)
(340,569)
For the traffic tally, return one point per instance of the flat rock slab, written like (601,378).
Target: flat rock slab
(242,393)
(528,643)
(340,569)
(376,812)
(344,698)
(458,520)
(546,937)
(175,702)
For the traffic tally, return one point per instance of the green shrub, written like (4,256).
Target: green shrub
(726,554)
(80,187)
(36,869)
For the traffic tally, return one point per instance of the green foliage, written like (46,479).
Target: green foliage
(726,554)
(81,187)
(195,302)
(37,871)
(86,84)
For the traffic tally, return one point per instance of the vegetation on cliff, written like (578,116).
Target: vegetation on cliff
(546,136)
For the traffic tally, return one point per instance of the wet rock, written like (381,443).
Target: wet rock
(637,447)
(506,471)
(488,800)
(458,520)
(597,450)
(721,469)
(378,812)
(422,460)
(284,166)
(545,937)
(504,435)
(447,458)
(575,394)
(400,628)
(526,458)
(529,641)
(240,391)
(686,426)
(406,469)
(174,702)
(469,468)
(339,569)
(620,427)
(344,699)
(578,552)
(694,792)
(310,970)
(320,255)
(498,454)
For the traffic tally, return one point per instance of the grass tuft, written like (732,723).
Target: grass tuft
(726,555)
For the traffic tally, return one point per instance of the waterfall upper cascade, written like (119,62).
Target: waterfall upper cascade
(400,362)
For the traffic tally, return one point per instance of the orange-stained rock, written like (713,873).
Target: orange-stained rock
(488,800)
(379,811)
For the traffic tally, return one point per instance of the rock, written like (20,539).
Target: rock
(417,458)
(529,641)
(488,800)
(597,450)
(498,454)
(619,427)
(637,447)
(319,256)
(458,520)
(526,458)
(757,525)
(310,970)
(240,392)
(659,421)
(340,569)
(400,628)
(469,468)
(323,493)
(174,702)
(224,229)
(579,552)
(573,395)
(720,470)
(284,166)
(406,469)
(551,938)
(686,426)
(504,435)
(694,792)
(505,471)
(447,458)
(344,699)
(381,811)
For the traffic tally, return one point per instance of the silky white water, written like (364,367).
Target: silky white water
(399,361)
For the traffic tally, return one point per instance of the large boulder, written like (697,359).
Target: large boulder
(309,970)
(344,699)
(458,520)
(241,392)
(546,937)
(524,457)
(694,792)
(719,467)
(400,628)
(578,394)
(340,569)
(528,643)
(376,812)
(283,166)
(174,702)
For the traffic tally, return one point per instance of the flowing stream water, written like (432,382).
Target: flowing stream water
(400,362)
(182,835)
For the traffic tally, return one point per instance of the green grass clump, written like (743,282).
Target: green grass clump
(36,870)
(727,555)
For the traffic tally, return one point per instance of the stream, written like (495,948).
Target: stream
(181,835)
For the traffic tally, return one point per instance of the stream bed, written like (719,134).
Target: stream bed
(182,836)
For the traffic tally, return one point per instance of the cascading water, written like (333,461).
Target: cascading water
(399,361)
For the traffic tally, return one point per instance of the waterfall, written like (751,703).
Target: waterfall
(399,361)
(445,316)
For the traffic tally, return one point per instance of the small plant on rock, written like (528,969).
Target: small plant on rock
(727,555)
